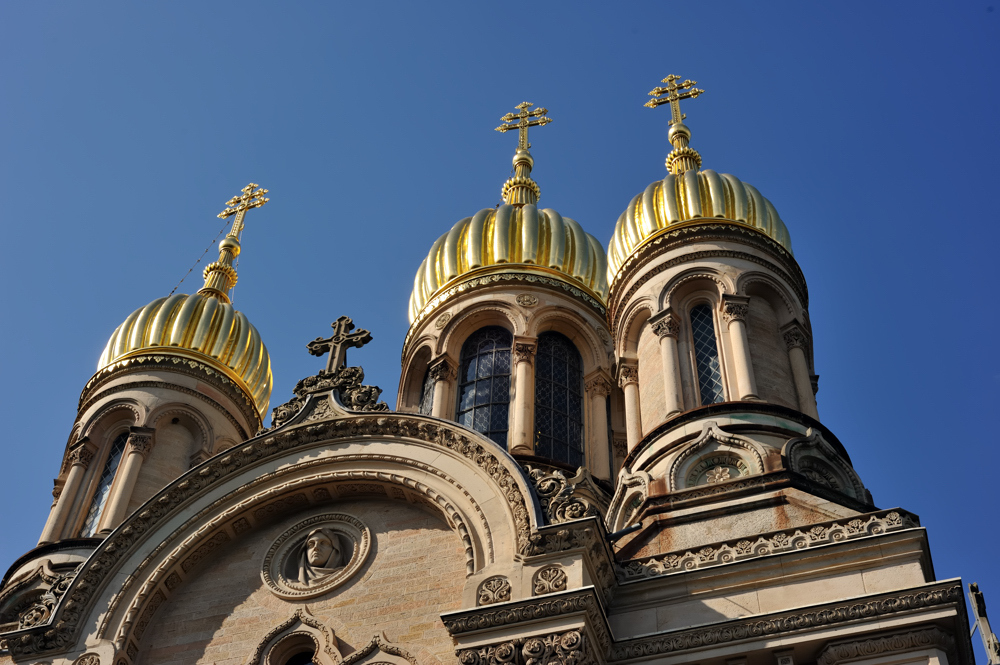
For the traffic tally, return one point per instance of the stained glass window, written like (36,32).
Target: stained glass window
(706,355)
(427,394)
(484,383)
(558,400)
(104,486)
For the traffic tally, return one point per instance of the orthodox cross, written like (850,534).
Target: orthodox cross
(523,122)
(674,92)
(338,343)
(238,205)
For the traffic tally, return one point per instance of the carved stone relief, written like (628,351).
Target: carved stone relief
(548,580)
(564,499)
(442,320)
(714,457)
(88,659)
(527,300)
(494,589)
(316,555)
(568,648)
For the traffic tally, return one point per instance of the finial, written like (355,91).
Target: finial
(521,189)
(681,158)
(220,276)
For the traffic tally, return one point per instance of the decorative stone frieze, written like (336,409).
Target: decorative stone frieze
(783,623)
(775,542)
(568,648)
(549,579)
(492,590)
(884,645)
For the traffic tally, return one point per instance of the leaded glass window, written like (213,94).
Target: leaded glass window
(427,394)
(558,400)
(706,355)
(104,486)
(484,383)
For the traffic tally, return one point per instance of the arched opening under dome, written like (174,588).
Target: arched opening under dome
(484,383)
(559,400)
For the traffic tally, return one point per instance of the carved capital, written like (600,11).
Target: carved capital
(599,386)
(81,455)
(627,374)
(524,352)
(140,440)
(668,326)
(735,308)
(442,370)
(794,338)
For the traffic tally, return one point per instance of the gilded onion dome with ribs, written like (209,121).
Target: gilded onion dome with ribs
(199,327)
(511,238)
(688,197)
(204,327)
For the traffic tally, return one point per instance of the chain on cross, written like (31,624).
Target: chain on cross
(338,343)
(238,205)
(674,92)
(524,120)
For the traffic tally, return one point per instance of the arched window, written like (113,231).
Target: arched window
(558,400)
(706,355)
(104,486)
(427,394)
(484,383)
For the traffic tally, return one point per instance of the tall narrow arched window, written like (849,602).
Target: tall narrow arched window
(484,383)
(558,400)
(706,355)
(104,486)
(427,394)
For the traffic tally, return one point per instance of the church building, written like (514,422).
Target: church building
(598,456)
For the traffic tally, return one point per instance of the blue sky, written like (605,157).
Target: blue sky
(870,126)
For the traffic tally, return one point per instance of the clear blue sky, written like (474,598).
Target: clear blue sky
(871,127)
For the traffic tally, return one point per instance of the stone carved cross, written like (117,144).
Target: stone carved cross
(338,343)
(675,92)
(523,122)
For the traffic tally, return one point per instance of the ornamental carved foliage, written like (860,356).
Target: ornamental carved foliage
(735,311)
(527,300)
(346,381)
(549,579)
(794,338)
(668,326)
(88,659)
(141,443)
(494,589)
(568,648)
(914,640)
(41,610)
(442,370)
(81,455)
(523,352)
(627,374)
(563,499)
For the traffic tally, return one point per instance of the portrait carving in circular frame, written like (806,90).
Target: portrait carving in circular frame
(316,555)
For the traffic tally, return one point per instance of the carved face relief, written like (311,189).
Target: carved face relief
(316,555)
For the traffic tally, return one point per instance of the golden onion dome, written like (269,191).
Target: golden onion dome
(511,238)
(685,197)
(200,327)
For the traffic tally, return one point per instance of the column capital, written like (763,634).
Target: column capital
(598,386)
(442,369)
(524,350)
(794,336)
(735,308)
(628,374)
(665,324)
(140,440)
(82,453)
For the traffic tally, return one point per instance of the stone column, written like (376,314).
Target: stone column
(795,341)
(443,374)
(522,414)
(628,379)
(79,459)
(735,310)
(140,442)
(599,458)
(667,329)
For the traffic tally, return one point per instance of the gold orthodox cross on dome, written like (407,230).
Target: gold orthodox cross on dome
(338,343)
(238,205)
(523,122)
(674,92)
